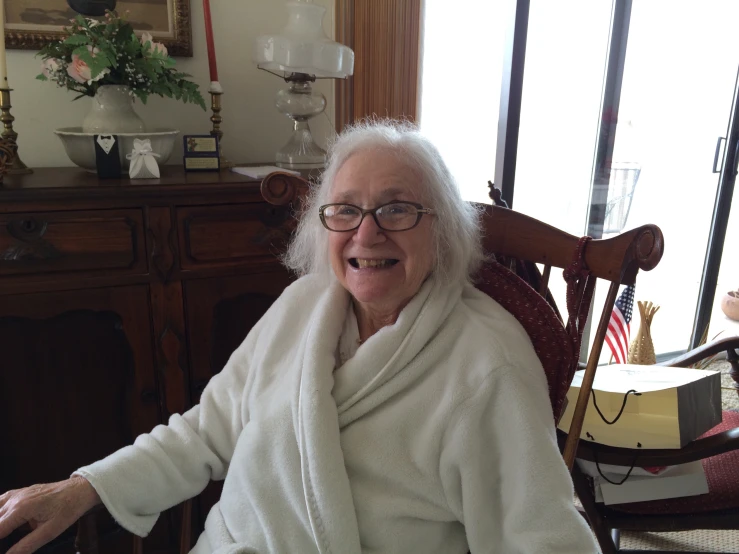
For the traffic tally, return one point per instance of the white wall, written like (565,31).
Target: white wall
(253,128)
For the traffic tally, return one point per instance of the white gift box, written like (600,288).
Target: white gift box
(143,161)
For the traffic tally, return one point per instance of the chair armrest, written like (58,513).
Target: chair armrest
(726,344)
(696,450)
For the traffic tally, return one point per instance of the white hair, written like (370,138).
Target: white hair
(456,225)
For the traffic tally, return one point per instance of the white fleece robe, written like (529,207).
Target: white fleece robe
(436,437)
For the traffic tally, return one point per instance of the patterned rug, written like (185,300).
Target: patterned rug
(687,541)
(729,395)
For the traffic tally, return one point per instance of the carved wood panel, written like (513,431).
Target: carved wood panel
(72,241)
(222,235)
(76,384)
(220,313)
(168,316)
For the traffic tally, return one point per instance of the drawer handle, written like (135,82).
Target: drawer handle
(27,229)
(31,245)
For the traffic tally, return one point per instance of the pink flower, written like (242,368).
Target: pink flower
(160,48)
(157,47)
(81,72)
(50,67)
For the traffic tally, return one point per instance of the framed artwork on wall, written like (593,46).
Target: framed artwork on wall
(30,24)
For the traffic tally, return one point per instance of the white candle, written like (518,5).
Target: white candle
(3,61)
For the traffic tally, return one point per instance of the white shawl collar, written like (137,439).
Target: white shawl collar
(383,366)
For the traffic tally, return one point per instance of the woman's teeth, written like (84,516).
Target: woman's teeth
(363,264)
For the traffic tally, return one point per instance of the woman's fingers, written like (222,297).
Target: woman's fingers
(9,522)
(3,498)
(10,518)
(43,534)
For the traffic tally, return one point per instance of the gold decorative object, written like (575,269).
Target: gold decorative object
(215,106)
(7,153)
(641,350)
(17,167)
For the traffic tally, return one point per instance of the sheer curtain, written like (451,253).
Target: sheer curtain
(461,66)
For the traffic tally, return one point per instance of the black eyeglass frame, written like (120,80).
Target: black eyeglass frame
(373,212)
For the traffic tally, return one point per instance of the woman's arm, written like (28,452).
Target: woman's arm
(504,474)
(176,461)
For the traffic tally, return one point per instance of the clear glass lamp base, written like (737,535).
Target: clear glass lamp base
(301,151)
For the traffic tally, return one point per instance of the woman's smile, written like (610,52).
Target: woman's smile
(372,263)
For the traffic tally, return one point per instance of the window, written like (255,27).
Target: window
(462,56)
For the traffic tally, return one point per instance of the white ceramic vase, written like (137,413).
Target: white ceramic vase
(112,112)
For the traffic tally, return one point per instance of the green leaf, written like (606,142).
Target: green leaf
(76,40)
(42,77)
(84,54)
(126,30)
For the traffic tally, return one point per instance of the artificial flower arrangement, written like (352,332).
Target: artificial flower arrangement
(108,52)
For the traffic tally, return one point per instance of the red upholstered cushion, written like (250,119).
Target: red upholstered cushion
(722,473)
(548,336)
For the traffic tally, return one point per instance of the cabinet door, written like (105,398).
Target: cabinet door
(77,383)
(220,312)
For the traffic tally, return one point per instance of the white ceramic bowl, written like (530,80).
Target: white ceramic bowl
(80,146)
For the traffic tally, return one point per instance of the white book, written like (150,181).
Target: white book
(261,171)
(681,480)
(591,469)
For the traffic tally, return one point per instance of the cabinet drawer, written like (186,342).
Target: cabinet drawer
(227,235)
(72,241)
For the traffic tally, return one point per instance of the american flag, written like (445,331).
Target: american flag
(619,326)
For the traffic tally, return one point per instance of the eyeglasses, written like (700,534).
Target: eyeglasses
(395,216)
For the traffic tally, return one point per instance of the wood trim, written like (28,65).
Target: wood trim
(385,36)
(344,93)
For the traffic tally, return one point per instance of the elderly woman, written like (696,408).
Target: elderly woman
(382,404)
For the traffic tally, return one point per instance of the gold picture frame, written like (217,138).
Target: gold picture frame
(31,24)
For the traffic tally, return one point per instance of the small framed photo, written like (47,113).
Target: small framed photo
(200,144)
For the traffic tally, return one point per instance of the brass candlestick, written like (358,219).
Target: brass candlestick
(215,106)
(9,134)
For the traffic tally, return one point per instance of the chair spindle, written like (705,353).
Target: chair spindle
(544,283)
(86,541)
(573,436)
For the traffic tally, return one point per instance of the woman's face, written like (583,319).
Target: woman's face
(370,179)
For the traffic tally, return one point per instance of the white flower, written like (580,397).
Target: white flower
(50,67)
(99,76)
(160,48)
(157,47)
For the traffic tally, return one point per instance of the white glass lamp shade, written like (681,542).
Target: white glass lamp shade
(303,47)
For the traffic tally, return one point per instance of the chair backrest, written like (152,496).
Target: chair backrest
(518,243)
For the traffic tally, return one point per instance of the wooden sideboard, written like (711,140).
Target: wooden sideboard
(119,300)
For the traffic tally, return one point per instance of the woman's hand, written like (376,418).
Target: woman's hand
(48,509)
